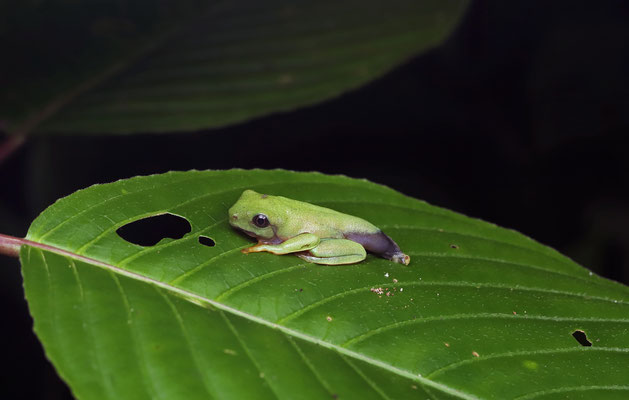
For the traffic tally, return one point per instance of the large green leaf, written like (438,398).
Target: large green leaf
(481,311)
(123,68)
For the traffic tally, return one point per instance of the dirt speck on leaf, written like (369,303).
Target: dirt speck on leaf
(230,352)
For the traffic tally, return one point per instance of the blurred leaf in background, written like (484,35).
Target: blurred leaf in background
(161,66)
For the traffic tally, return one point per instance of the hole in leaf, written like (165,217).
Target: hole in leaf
(580,336)
(149,231)
(206,241)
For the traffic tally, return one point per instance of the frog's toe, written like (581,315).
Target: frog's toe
(401,258)
(254,249)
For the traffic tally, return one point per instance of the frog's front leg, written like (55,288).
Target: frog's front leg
(335,252)
(303,242)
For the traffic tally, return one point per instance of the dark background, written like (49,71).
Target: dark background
(519,118)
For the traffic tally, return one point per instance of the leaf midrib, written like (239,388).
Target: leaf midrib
(206,303)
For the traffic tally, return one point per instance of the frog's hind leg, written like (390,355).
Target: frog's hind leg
(335,252)
(338,260)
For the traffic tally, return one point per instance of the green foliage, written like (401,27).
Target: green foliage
(157,66)
(481,311)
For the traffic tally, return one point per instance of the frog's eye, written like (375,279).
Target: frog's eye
(260,220)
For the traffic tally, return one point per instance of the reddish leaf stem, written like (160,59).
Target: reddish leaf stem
(10,245)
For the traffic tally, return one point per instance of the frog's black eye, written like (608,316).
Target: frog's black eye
(260,220)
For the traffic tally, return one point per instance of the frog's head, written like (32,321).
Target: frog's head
(256,214)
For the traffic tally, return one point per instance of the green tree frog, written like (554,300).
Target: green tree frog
(316,234)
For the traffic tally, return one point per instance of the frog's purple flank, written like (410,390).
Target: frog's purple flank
(381,244)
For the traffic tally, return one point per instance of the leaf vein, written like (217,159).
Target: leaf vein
(571,389)
(485,238)
(159,247)
(186,336)
(155,212)
(398,324)
(498,260)
(142,363)
(177,280)
(324,300)
(91,207)
(310,365)
(364,377)
(256,279)
(88,329)
(458,364)
(232,328)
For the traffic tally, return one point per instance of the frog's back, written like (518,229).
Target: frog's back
(324,221)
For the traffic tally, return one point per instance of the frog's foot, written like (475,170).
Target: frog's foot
(335,252)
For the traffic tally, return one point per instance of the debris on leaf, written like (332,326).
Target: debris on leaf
(377,290)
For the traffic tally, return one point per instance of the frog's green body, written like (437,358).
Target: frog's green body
(316,234)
